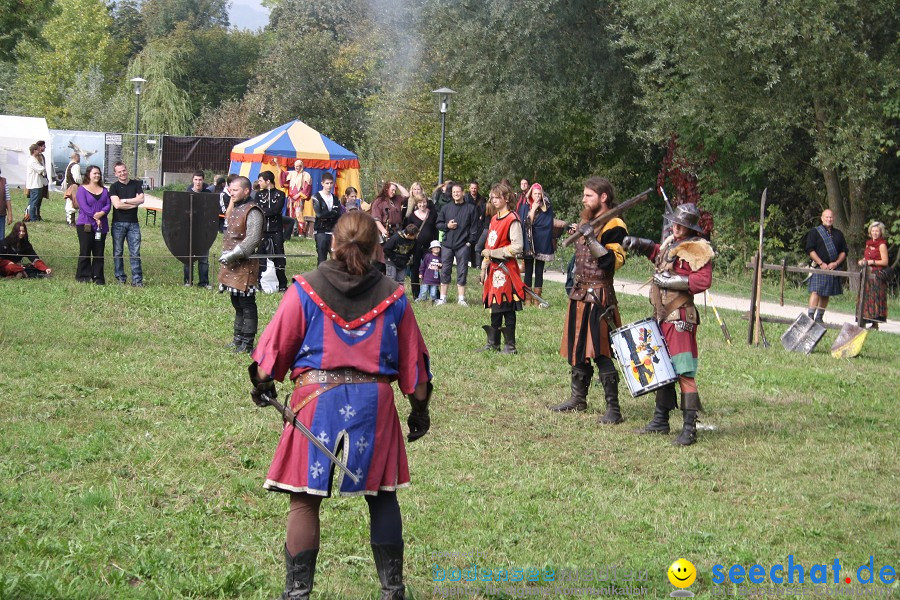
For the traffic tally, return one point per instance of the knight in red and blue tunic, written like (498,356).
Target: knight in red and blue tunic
(378,336)
(683,269)
(343,333)
(503,288)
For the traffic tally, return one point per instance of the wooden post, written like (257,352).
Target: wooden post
(783,271)
(750,327)
(861,298)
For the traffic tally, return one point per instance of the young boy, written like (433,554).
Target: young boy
(397,251)
(430,273)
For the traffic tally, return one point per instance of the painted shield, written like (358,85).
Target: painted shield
(190,223)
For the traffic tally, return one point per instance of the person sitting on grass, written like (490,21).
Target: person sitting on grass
(14,248)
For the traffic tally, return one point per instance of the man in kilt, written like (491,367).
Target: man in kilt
(827,248)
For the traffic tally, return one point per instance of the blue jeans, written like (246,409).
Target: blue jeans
(202,271)
(35,197)
(122,231)
(428,291)
(2,227)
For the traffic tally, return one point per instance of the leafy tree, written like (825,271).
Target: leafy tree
(161,17)
(766,80)
(215,64)
(164,107)
(20,23)
(74,42)
(127,28)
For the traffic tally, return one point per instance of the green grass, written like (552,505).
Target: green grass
(132,460)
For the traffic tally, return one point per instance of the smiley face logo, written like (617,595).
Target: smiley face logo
(682,573)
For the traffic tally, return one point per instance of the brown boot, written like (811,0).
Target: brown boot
(539,291)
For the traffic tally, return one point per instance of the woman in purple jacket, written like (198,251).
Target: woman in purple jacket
(92,226)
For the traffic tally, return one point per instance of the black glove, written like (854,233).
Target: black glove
(261,387)
(419,420)
(639,245)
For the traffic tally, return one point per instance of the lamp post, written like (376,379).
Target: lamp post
(138,84)
(444,95)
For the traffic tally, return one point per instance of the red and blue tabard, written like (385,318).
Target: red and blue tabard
(501,287)
(357,421)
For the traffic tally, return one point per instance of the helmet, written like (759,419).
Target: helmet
(687,215)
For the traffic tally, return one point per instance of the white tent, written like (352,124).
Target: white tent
(16,135)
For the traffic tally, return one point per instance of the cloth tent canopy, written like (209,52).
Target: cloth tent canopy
(285,144)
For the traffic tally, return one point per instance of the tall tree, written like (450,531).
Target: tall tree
(161,17)
(753,78)
(74,42)
(164,107)
(20,23)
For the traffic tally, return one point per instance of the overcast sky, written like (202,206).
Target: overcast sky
(248,14)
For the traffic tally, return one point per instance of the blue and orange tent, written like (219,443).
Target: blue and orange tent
(285,144)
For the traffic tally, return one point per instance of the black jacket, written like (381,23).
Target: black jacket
(467,225)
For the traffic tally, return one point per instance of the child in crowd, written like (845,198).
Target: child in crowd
(430,273)
(397,251)
(350,199)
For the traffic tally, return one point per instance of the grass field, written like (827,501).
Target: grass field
(132,460)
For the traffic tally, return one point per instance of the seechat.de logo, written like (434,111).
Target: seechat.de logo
(795,572)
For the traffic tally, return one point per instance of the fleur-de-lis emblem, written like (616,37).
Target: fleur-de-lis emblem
(323,437)
(361,444)
(347,412)
(394,328)
(316,470)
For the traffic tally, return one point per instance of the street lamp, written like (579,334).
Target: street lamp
(138,84)
(444,94)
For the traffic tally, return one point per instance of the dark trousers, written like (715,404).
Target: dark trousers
(202,271)
(245,316)
(497,319)
(323,246)
(90,257)
(536,267)
(414,263)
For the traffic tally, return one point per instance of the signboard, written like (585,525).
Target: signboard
(113,143)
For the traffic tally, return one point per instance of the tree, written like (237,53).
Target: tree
(127,28)
(164,107)
(161,17)
(70,46)
(20,24)
(752,79)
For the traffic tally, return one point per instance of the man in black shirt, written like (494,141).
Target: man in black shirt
(459,222)
(126,195)
(328,210)
(271,201)
(198,186)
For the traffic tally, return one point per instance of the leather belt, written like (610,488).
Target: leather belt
(338,376)
(328,380)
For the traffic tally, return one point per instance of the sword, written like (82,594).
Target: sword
(543,303)
(291,418)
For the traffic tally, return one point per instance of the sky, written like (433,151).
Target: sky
(248,14)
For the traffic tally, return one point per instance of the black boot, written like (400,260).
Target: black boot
(493,339)
(238,332)
(301,569)
(613,414)
(581,383)
(665,403)
(509,340)
(248,335)
(389,564)
(688,433)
